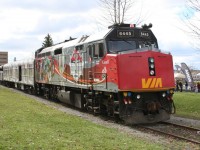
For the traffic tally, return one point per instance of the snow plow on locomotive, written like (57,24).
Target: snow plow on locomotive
(118,72)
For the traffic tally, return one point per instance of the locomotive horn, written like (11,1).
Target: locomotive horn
(147,26)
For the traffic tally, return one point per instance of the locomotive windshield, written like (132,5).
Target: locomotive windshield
(124,38)
(142,44)
(124,45)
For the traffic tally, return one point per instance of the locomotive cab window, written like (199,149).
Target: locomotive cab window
(99,49)
(96,50)
(147,43)
(115,46)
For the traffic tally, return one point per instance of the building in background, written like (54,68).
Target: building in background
(3,58)
(196,75)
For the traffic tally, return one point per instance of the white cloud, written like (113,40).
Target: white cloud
(24,24)
(190,60)
(170,30)
(16,22)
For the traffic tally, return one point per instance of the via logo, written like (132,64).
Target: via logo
(151,83)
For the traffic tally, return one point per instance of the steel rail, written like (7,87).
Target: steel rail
(173,135)
(182,126)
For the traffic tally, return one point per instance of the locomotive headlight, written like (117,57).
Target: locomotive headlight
(152,66)
(164,94)
(151,60)
(152,72)
(138,96)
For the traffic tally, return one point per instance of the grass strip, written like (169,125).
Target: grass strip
(28,124)
(187,104)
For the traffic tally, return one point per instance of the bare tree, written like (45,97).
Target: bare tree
(115,11)
(192,21)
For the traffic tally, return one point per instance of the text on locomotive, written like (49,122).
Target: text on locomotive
(152,83)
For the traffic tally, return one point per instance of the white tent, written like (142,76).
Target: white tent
(179,76)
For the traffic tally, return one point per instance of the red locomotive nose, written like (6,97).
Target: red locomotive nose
(146,71)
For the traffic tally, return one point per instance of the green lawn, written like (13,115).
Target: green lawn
(28,124)
(187,104)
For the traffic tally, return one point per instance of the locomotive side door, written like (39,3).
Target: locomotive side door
(95,52)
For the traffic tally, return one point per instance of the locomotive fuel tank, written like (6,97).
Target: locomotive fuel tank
(70,97)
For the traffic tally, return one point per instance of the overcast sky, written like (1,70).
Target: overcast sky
(25,23)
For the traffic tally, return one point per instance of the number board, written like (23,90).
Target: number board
(145,34)
(125,33)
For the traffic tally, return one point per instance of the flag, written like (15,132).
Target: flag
(188,74)
(179,68)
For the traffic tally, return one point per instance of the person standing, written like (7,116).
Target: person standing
(186,85)
(198,86)
(181,86)
(177,85)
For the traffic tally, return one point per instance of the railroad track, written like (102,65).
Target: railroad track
(177,131)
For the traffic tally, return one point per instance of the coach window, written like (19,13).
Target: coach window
(79,48)
(58,51)
(47,54)
(90,48)
(41,55)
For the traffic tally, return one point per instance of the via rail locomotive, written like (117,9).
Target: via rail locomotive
(119,72)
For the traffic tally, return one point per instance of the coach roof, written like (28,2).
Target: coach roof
(93,37)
